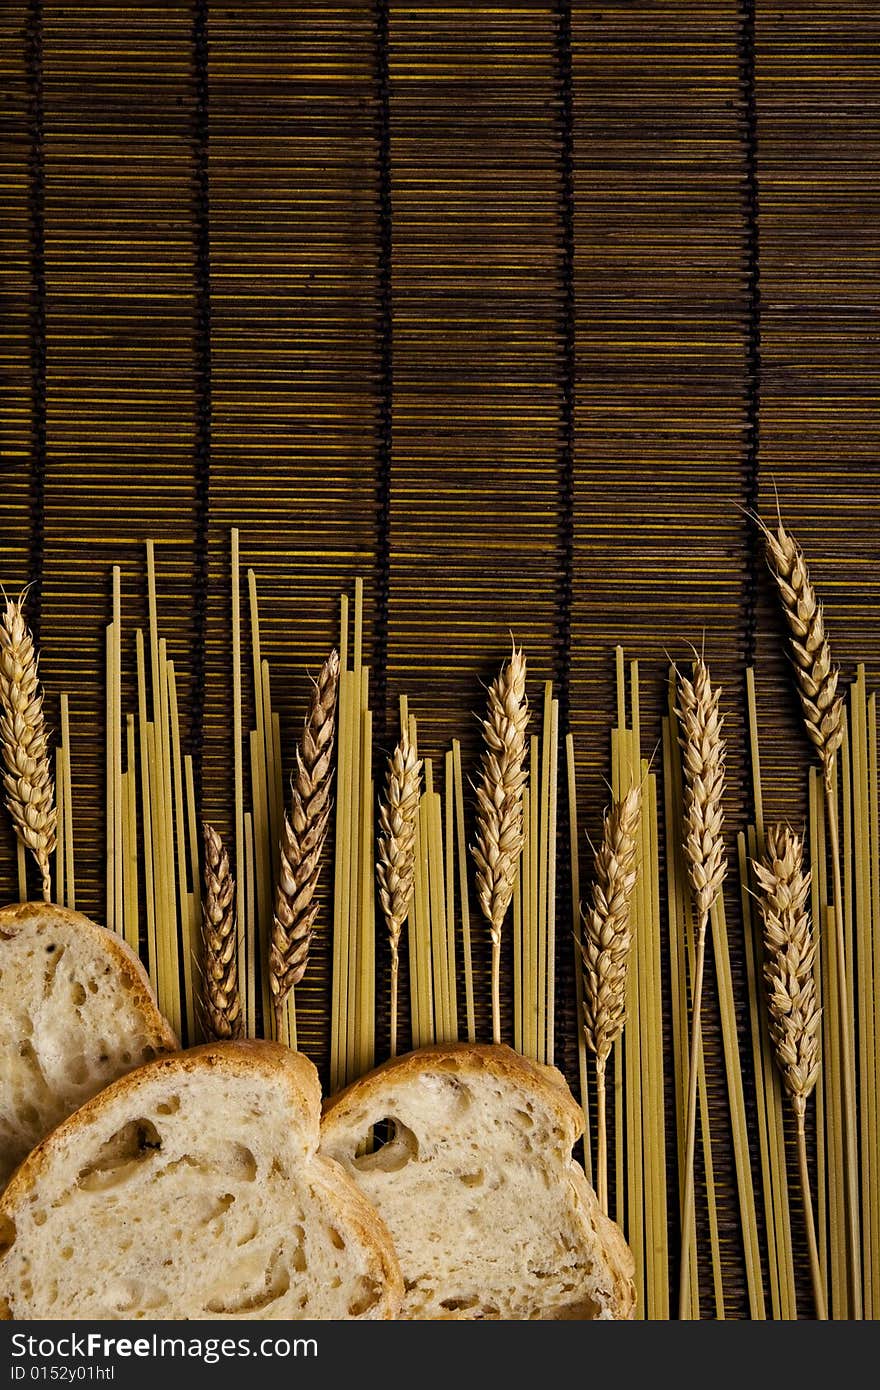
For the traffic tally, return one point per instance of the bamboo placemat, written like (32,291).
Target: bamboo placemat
(510,310)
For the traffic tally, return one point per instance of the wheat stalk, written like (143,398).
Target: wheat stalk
(395,869)
(816,677)
(30,791)
(822,705)
(605,948)
(789,952)
(703,765)
(499,838)
(302,841)
(221,1003)
(794,1014)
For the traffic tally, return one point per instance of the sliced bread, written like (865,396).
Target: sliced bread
(490,1215)
(76,1012)
(193,1189)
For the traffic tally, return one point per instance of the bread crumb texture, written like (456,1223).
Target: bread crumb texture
(473,1175)
(193,1190)
(75,1014)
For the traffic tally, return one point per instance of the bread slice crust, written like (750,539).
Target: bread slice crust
(366,1102)
(271,1073)
(34,1096)
(465,1058)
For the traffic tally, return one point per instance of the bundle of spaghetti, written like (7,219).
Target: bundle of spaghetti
(438,864)
(534,897)
(241,828)
(440,914)
(267,811)
(638,1053)
(863,894)
(732,1061)
(736,1102)
(460,852)
(353,985)
(859,812)
(681,932)
(574,845)
(768,1085)
(170,847)
(65,881)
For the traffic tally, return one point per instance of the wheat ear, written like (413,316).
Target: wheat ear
(395,869)
(822,705)
(794,1014)
(605,947)
(30,790)
(499,837)
(816,677)
(703,765)
(221,1003)
(302,841)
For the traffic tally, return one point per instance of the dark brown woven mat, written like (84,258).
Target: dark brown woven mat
(509,310)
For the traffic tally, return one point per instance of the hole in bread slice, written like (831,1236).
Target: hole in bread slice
(366,1297)
(241,1163)
(231,1303)
(456,1305)
(389,1155)
(121,1155)
(473,1179)
(584,1310)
